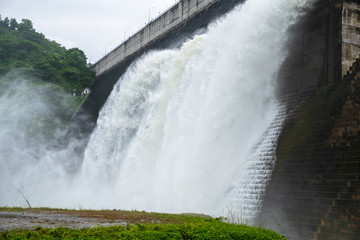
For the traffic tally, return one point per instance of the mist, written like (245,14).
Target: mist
(37,153)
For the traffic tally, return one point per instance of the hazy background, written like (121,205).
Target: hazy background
(94,26)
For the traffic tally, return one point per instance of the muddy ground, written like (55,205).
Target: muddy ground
(32,218)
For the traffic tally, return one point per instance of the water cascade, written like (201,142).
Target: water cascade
(184,130)
(181,125)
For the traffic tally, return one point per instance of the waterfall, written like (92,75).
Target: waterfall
(181,125)
(184,130)
(248,189)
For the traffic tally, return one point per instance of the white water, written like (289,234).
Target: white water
(180,125)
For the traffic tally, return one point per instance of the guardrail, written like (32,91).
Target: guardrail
(171,18)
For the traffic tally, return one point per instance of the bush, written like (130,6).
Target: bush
(202,230)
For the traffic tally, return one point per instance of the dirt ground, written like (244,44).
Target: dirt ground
(32,218)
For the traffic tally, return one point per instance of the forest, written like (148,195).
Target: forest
(28,54)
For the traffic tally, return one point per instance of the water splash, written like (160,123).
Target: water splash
(181,125)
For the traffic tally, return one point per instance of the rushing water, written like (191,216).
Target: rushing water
(180,128)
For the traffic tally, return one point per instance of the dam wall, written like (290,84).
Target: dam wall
(175,17)
(350,33)
(314,191)
(167,31)
(322,46)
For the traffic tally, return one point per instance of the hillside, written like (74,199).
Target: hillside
(26,55)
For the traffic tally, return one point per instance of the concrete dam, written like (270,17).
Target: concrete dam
(304,182)
(168,30)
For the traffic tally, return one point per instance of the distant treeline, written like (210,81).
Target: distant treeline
(21,47)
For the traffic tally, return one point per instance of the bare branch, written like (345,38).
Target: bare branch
(26,198)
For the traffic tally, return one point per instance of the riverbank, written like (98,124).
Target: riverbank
(43,223)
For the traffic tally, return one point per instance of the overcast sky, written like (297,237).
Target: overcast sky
(94,26)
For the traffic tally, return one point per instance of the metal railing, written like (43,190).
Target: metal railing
(140,30)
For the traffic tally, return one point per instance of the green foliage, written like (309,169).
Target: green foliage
(21,47)
(56,71)
(142,225)
(202,229)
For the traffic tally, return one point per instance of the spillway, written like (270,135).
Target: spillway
(184,130)
(180,129)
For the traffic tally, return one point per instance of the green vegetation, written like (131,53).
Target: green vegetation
(53,71)
(21,47)
(127,216)
(209,229)
(11,209)
(140,225)
(206,229)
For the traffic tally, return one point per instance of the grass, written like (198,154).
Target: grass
(127,216)
(209,229)
(142,225)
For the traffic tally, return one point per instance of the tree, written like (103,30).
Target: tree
(22,47)
(13,24)
(76,58)
(6,22)
(25,25)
